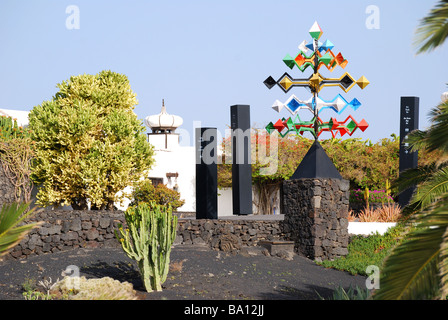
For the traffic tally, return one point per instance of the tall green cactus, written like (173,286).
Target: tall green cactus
(387,187)
(367,197)
(150,232)
(9,129)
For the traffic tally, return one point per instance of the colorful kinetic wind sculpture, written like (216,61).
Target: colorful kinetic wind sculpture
(315,55)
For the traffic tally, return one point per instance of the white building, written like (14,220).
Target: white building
(174,165)
(20,116)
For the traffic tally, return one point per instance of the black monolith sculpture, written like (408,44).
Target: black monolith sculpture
(241,160)
(408,160)
(206,173)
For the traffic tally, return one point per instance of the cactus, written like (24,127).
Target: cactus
(9,129)
(150,232)
(366,197)
(387,188)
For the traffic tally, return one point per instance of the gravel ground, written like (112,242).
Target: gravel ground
(197,273)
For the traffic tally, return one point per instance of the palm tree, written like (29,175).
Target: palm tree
(11,230)
(433,29)
(418,268)
(432,178)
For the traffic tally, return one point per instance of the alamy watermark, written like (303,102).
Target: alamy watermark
(240,147)
(373,20)
(73,20)
(72,272)
(373,281)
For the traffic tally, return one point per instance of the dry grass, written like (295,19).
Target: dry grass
(351,216)
(389,213)
(385,213)
(369,215)
(176,266)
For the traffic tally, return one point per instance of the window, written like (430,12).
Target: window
(156,181)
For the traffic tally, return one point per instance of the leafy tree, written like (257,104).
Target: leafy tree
(363,163)
(274,159)
(89,143)
(145,192)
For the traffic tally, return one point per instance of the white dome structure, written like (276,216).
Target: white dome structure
(445,97)
(163,122)
(174,165)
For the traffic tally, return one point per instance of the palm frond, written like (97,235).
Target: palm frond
(413,177)
(11,233)
(439,217)
(417,140)
(412,269)
(417,177)
(432,189)
(436,137)
(433,29)
(443,266)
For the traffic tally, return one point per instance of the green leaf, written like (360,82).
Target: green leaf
(11,215)
(433,29)
(432,189)
(89,143)
(412,270)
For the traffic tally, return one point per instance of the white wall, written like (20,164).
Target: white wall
(175,159)
(20,116)
(181,161)
(369,227)
(225,202)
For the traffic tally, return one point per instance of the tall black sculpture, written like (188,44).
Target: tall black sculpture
(206,173)
(241,160)
(409,107)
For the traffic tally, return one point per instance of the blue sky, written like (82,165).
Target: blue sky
(204,56)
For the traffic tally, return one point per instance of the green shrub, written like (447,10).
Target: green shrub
(89,143)
(145,192)
(356,293)
(364,251)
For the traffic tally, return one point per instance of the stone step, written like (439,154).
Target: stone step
(277,246)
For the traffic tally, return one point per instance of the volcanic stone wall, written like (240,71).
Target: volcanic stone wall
(316,212)
(65,230)
(315,218)
(228,235)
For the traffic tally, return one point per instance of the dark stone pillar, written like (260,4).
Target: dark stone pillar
(316,216)
(206,173)
(241,160)
(408,160)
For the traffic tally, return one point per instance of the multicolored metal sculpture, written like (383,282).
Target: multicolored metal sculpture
(316,55)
